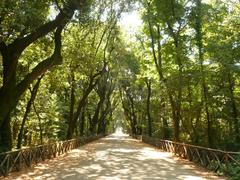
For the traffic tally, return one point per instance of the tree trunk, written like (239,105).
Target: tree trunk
(95,118)
(10,92)
(6,135)
(166,134)
(102,125)
(199,37)
(133,115)
(234,109)
(157,56)
(82,123)
(7,102)
(39,124)
(101,90)
(148,83)
(81,104)
(128,112)
(72,103)
(28,109)
(178,101)
(102,120)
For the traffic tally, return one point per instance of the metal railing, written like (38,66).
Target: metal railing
(19,159)
(212,159)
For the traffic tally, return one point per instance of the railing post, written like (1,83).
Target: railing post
(20,160)
(7,166)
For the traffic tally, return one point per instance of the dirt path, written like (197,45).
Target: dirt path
(115,158)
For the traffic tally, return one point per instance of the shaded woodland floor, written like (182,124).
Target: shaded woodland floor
(116,157)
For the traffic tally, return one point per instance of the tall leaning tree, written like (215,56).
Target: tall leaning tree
(12,47)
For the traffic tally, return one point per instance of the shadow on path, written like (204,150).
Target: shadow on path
(115,158)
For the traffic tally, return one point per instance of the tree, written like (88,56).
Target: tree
(11,90)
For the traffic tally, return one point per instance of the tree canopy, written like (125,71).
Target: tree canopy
(67,69)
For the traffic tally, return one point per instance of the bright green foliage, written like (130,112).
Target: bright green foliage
(178,80)
(87,47)
(19,18)
(171,29)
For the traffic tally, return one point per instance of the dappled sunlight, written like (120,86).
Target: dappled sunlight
(123,150)
(100,154)
(190,178)
(148,153)
(115,157)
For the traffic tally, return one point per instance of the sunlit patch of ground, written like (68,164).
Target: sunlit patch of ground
(116,157)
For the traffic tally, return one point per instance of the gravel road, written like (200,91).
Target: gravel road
(116,157)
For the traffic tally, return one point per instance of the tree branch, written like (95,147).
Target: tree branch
(22,43)
(43,66)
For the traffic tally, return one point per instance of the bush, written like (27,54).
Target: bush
(233,170)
